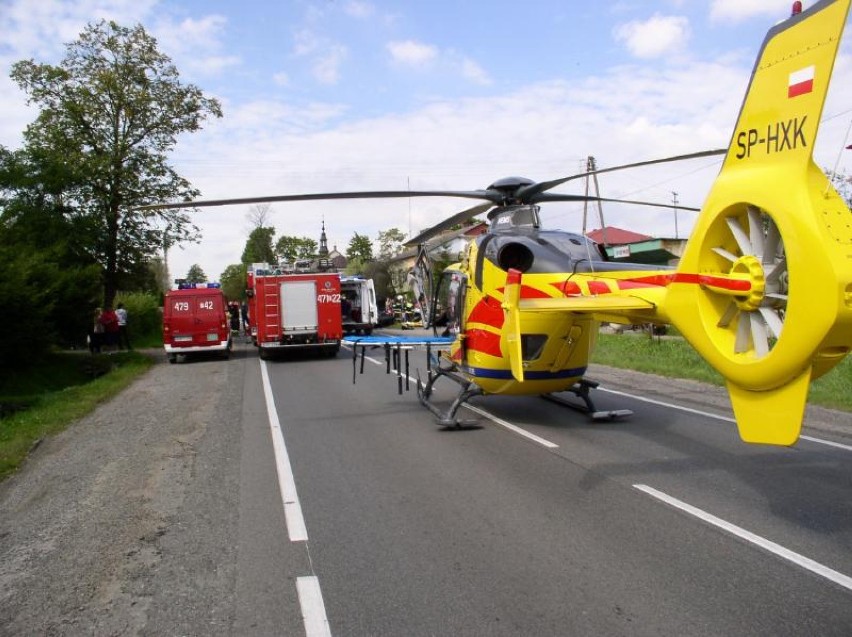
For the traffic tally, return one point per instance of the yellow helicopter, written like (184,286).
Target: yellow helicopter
(763,291)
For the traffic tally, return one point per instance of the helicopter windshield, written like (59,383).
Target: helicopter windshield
(515,217)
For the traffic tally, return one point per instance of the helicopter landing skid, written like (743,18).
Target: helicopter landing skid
(467,390)
(581,389)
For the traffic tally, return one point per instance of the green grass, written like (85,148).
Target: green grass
(56,392)
(673,357)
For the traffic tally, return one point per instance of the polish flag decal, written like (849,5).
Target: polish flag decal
(801,82)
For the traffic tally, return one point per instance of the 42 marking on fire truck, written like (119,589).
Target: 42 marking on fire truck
(777,137)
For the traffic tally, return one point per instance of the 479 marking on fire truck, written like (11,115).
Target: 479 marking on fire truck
(183,306)
(328,298)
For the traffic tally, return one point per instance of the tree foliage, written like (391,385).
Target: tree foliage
(196,274)
(292,248)
(233,280)
(390,242)
(48,278)
(360,249)
(843,184)
(109,113)
(259,246)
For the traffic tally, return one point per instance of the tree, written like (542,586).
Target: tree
(259,246)
(292,248)
(196,274)
(233,281)
(47,274)
(109,113)
(390,242)
(360,249)
(843,184)
(258,215)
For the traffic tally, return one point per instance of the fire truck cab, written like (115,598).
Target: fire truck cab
(289,311)
(195,321)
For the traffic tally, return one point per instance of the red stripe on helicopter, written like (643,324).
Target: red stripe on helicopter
(528,292)
(483,341)
(663,280)
(568,288)
(487,311)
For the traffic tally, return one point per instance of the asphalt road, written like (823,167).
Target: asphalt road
(163,513)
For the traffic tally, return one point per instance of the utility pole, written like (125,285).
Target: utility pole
(674,203)
(591,168)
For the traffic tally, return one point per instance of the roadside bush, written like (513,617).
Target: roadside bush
(144,318)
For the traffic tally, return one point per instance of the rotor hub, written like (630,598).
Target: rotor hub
(750,268)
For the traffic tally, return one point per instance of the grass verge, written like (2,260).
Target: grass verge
(57,392)
(674,358)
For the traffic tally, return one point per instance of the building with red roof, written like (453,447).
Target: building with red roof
(626,245)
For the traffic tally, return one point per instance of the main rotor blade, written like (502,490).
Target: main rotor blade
(527,193)
(548,196)
(448,223)
(376,194)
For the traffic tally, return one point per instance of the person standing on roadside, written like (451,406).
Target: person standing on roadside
(123,338)
(96,336)
(110,322)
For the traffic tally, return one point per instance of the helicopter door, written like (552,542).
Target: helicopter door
(448,307)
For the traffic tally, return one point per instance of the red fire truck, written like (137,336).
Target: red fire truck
(294,310)
(195,321)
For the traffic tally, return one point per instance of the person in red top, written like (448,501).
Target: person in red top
(109,319)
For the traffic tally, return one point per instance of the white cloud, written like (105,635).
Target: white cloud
(358,9)
(412,53)
(40,29)
(305,42)
(326,68)
(195,45)
(655,37)
(281,79)
(738,10)
(326,56)
(474,72)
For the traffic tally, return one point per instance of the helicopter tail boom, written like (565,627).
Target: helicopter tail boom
(776,238)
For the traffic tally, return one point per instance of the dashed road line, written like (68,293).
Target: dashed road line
(799,560)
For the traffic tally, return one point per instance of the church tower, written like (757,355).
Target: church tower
(323,244)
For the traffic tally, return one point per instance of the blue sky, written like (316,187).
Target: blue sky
(330,95)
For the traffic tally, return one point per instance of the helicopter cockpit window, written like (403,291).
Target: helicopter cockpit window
(515,218)
(448,303)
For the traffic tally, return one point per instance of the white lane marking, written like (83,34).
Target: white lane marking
(313,608)
(511,427)
(307,587)
(670,405)
(493,418)
(286,483)
(799,560)
(827,442)
(820,441)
